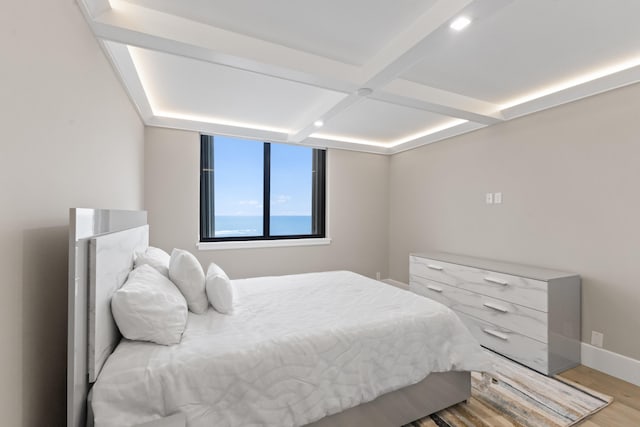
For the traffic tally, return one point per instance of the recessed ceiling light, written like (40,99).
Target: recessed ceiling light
(318,123)
(460,23)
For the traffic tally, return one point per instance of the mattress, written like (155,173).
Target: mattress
(297,348)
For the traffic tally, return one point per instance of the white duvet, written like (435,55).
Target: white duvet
(297,348)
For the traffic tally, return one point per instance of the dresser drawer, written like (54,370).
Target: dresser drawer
(519,290)
(524,320)
(439,271)
(515,346)
(431,289)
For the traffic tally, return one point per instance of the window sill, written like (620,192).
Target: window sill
(253,244)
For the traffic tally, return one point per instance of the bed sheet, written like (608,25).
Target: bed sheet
(297,348)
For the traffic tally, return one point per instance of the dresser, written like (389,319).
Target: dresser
(529,314)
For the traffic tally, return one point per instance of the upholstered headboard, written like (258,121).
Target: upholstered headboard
(110,261)
(92,233)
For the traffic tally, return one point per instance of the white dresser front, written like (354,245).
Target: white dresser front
(528,314)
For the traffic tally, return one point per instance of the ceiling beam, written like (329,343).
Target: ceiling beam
(334,110)
(121,60)
(408,48)
(409,94)
(404,52)
(146,28)
(130,24)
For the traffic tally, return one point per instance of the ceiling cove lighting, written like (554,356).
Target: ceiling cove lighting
(576,81)
(143,77)
(460,23)
(340,138)
(218,121)
(427,132)
(146,87)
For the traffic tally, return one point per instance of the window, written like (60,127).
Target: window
(252,190)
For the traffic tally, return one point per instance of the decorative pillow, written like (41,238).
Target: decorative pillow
(220,290)
(186,272)
(148,307)
(155,257)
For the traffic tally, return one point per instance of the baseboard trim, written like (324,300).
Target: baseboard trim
(396,283)
(611,363)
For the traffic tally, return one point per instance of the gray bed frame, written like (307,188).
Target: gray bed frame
(101,244)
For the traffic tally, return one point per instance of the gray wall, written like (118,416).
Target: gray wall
(70,137)
(570,178)
(358,203)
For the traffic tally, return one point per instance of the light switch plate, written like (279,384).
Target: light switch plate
(497,198)
(489,198)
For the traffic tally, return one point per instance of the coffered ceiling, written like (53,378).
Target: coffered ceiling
(381,76)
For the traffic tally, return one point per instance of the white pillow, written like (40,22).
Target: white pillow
(148,307)
(155,257)
(220,290)
(186,272)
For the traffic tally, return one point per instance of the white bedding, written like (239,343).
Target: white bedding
(296,349)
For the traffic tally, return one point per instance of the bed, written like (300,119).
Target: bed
(319,349)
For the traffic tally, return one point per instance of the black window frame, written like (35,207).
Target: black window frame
(207,197)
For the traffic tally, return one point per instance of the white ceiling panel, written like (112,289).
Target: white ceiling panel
(381,122)
(203,90)
(383,75)
(348,31)
(527,45)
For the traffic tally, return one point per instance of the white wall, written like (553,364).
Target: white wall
(570,177)
(69,137)
(357,191)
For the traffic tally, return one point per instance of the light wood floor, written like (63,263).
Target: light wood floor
(625,409)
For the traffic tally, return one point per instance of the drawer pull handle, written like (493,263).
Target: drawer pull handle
(495,307)
(434,288)
(496,334)
(496,281)
(434,267)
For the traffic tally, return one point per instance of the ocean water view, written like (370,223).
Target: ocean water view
(281,225)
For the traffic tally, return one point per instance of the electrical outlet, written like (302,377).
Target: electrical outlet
(497,198)
(377,275)
(489,198)
(597,338)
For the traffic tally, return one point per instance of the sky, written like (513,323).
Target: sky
(238,166)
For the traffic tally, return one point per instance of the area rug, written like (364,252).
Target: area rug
(514,395)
